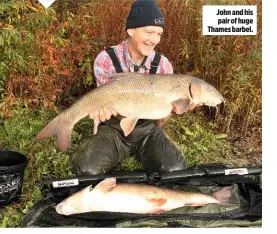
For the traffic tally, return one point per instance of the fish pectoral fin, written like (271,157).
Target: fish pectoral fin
(128,124)
(195,204)
(106,185)
(180,106)
(157,201)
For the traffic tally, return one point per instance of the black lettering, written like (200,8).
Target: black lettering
(213,29)
(8,187)
(242,29)
(245,21)
(248,12)
(223,21)
(237,12)
(223,12)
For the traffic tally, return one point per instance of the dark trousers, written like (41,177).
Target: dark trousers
(103,151)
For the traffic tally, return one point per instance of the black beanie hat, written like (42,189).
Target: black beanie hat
(144,13)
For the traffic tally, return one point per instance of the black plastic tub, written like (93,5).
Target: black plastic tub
(12,167)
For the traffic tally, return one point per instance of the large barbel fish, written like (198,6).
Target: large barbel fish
(137,198)
(133,96)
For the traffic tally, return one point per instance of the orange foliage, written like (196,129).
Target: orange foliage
(58,73)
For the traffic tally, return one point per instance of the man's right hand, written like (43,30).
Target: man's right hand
(161,122)
(192,106)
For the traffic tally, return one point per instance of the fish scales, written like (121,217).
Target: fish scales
(158,192)
(132,96)
(131,92)
(136,198)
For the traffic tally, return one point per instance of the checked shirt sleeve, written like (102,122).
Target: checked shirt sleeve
(103,67)
(165,66)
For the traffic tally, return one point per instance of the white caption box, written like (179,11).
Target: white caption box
(229,20)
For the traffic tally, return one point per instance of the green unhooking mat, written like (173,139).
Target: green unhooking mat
(246,198)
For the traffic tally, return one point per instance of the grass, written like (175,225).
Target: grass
(198,139)
(201,142)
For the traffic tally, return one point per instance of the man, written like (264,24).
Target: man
(103,151)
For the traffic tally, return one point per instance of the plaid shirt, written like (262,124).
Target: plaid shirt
(103,65)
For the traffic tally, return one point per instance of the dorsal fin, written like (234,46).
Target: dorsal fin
(106,185)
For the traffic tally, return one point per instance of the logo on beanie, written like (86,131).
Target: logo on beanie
(159,21)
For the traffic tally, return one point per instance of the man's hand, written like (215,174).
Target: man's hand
(103,114)
(193,105)
(161,122)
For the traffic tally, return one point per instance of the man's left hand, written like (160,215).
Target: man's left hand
(193,105)
(161,122)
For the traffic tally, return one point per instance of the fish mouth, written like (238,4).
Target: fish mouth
(64,209)
(213,104)
(59,208)
(208,103)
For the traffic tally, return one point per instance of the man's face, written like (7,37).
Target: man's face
(144,39)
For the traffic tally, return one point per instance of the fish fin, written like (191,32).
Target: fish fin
(157,211)
(119,76)
(223,195)
(128,124)
(157,201)
(64,138)
(50,129)
(181,105)
(59,128)
(106,185)
(195,204)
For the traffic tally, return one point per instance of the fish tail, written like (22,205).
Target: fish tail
(223,195)
(61,129)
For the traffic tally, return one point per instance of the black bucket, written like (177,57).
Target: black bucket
(12,167)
